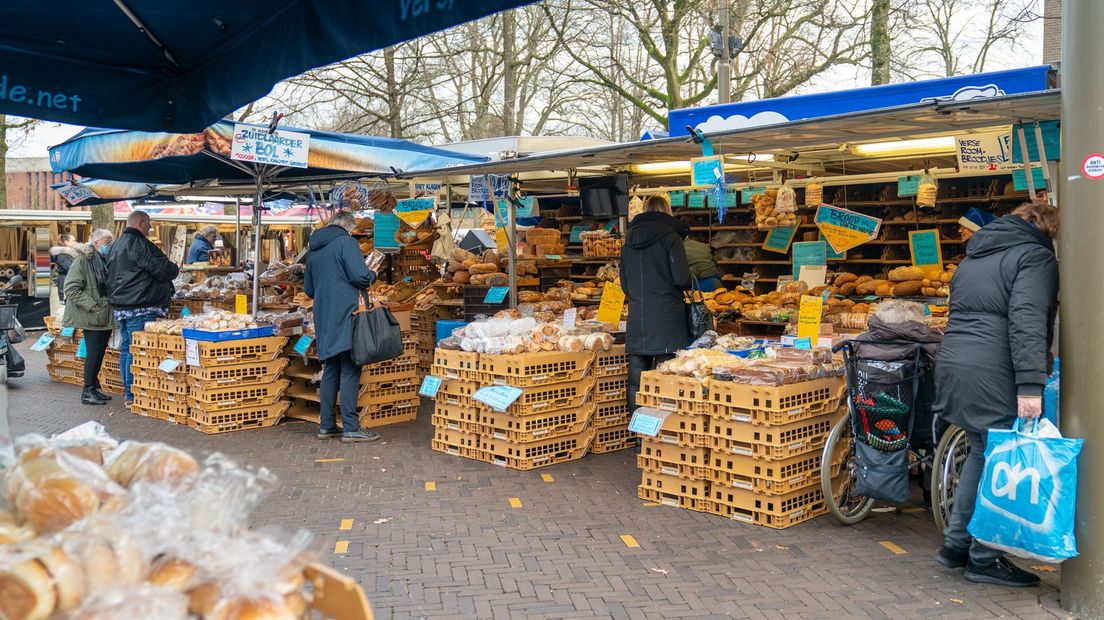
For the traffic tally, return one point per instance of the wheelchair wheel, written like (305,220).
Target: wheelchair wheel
(947,464)
(844,505)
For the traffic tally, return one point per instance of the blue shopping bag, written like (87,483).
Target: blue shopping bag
(1028,492)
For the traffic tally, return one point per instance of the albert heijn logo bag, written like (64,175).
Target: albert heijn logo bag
(1028,492)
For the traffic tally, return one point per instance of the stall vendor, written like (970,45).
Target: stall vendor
(202,245)
(974,220)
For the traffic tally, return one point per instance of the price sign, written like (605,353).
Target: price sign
(747,193)
(845,229)
(569,318)
(498,397)
(496,294)
(553,257)
(303,344)
(241,304)
(261,146)
(647,421)
(502,213)
(706,170)
(695,200)
(82,349)
(502,240)
(808,253)
(677,198)
(43,342)
(926,250)
(576,231)
(779,239)
(67,332)
(1019,179)
(191,352)
(383,232)
(185,311)
(430,386)
(907,186)
(804,344)
(611,304)
(414,211)
(169,365)
(808,317)
(726,199)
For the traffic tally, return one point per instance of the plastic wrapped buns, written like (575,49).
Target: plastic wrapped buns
(151,462)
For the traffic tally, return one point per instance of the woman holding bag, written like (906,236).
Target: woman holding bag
(993,363)
(88,308)
(334,278)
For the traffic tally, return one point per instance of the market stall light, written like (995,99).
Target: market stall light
(683,166)
(922,146)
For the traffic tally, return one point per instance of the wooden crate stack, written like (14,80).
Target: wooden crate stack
(423,324)
(747,452)
(611,418)
(551,422)
(157,393)
(61,357)
(237,384)
(388,390)
(111,378)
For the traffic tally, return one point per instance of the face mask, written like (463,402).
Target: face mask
(105,249)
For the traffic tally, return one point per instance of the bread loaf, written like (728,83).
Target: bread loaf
(908,289)
(67,576)
(868,287)
(174,574)
(483,268)
(848,288)
(844,278)
(884,289)
(904,274)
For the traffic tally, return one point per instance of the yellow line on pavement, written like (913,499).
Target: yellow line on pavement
(431,486)
(328,460)
(651,503)
(341,546)
(629,541)
(346,525)
(546,477)
(515,502)
(892,547)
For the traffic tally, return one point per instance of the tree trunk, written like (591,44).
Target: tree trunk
(880,52)
(509,74)
(103,216)
(394,105)
(3,160)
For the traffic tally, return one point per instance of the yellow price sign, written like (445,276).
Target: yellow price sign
(241,304)
(613,301)
(808,317)
(502,240)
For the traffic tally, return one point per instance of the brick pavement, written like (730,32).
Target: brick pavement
(462,551)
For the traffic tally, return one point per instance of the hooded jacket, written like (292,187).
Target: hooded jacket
(654,275)
(335,273)
(139,275)
(1004,298)
(63,257)
(87,305)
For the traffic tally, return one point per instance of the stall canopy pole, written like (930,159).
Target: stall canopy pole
(511,239)
(237,232)
(257,208)
(1081,261)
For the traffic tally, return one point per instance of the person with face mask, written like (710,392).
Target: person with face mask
(88,308)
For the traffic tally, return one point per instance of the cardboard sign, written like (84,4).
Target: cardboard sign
(384,229)
(414,211)
(576,231)
(813,275)
(241,304)
(747,193)
(430,386)
(908,186)
(695,200)
(569,318)
(984,152)
(926,250)
(808,317)
(278,148)
(844,229)
(808,253)
(191,352)
(169,365)
(647,421)
(498,397)
(706,171)
(496,294)
(779,239)
(303,344)
(502,240)
(43,342)
(613,300)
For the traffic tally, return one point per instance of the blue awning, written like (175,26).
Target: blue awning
(165,65)
(779,110)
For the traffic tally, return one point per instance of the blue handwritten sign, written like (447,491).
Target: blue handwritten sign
(169,365)
(386,225)
(925,248)
(43,342)
(695,200)
(647,421)
(747,193)
(185,311)
(706,170)
(82,349)
(907,186)
(1051,142)
(414,211)
(498,397)
(576,231)
(303,344)
(678,198)
(524,209)
(610,224)
(1019,179)
(805,344)
(496,294)
(844,229)
(778,239)
(553,257)
(67,332)
(808,253)
(726,199)
(430,386)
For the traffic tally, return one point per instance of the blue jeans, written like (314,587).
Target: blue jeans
(340,375)
(126,328)
(709,284)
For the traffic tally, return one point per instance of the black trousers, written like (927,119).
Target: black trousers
(340,373)
(95,345)
(637,365)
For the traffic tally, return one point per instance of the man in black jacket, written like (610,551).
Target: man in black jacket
(335,275)
(139,277)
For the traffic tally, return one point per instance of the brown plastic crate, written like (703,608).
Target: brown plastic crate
(611,389)
(450,424)
(534,369)
(537,427)
(698,504)
(691,431)
(769,477)
(374,416)
(539,453)
(306,410)
(775,405)
(457,414)
(611,414)
(457,392)
(612,363)
(772,442)
(237,374)
(556,397)
(460,365)
(689,487)
(236,397)
(402,366)
(62,374)
(147,340)
(240,351)
(457,443)
(776,511)
(612,439)
(64,358)
(242,418)
(672,393)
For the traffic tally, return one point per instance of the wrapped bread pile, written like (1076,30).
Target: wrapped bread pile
(214,321)
(421,236)
(525,265)
(899,282)
(281,273)
(467,268)
(780,366)
(600,243)
(814,193)
(697,363)
(286,323)
(510,334)
(216,288)
(608,273)
(97,530)
(769,213)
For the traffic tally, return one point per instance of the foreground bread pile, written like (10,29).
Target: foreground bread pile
(95,529)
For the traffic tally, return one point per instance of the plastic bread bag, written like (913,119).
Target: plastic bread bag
(105,554)
(135,461)
(51,489)
(141,601)
(88,441)
(38,580)
(374,260)
(814,193)
(786,202)
(926,191)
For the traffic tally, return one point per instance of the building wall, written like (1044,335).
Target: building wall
(1052,31)
(31,190)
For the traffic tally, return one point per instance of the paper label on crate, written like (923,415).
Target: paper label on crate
(191,352)
(303,344)
(496,294)
(804,344)
(169,365)
(647,421)
(82,349)
(498,397)
(43,342)
(430,385)
(569,318)
(185,311)
(67,332)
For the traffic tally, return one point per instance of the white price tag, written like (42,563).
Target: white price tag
(191,352)
(569,318)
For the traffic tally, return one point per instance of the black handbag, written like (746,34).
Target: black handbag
(376,334)
(698,317)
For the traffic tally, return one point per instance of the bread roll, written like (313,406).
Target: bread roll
(203,599)
(26,592)
(130,564)
(99,566)
(150,462)
(868,287)
(884,289)
(174,574)
(844,278)
(862,279)
(49,497)
(252,609)
(67,575)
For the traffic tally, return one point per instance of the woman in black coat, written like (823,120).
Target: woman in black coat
(994,361)
(654,274)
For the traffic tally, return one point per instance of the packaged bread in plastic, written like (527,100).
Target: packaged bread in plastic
(53,490)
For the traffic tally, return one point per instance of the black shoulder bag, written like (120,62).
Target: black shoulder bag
(698,317)
(376,334)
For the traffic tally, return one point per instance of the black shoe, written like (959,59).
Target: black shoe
(334,434)
(359,436)
(1000,572)
(89,397)
(101,395)
(953,558)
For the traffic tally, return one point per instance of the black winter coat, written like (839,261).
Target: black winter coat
(654,274)
(1004,298)
(139,275)
(335,273)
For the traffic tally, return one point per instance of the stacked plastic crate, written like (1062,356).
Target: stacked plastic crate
(160,379)
(673,462)
(61,357)
(611,417)
(235,384)
(766,444)
(550,421)
(111,379)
